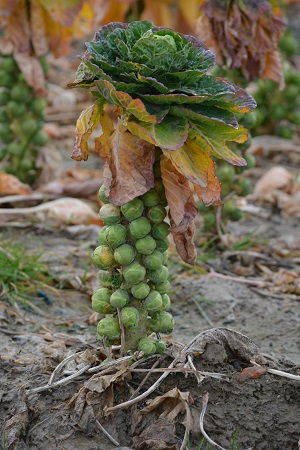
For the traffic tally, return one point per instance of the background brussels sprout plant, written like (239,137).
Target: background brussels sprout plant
(171,118)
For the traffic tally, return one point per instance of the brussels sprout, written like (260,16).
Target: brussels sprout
(242,187)
(162,287)
(108,279)
(165,255)
(157,214)
(156,169)
(153,261)
(3,114)
(38,106)
(140,227)
(21,93)
(124,254)
(162,322)
(225,173)
(147,346)
(209,220)
(115,235)
(14,148)
(160,347)
(162,245)
(5,133)
(109,327)
(130,317)
(103,257)
(9,64)
(140,290)
(29,125)
(159,275)
(160,230)
(4,97)
(40,138)
(151,198)
(134,273)
(100,301)
(153,302)
(145,245)
(110,214)
(16,109)
(119,298)
(101,235)
(166,302)
(251,161)
(5,79)
(133,209)
(102,195)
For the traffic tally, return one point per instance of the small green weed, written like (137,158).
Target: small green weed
(22,272)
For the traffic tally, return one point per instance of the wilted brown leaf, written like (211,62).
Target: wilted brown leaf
(85,125)
(183,208)
(159,436)
(245,35)
(183,237)
(128,166)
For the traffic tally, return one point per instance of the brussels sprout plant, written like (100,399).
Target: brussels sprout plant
(169,119)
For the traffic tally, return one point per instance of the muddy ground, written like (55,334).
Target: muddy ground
(261,414)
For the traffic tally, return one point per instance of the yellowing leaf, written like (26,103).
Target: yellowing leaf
(128,166)
(86,123)
(62,11)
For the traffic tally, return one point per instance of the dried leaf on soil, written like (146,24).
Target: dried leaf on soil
(10,185)
(16,425)
(251,373)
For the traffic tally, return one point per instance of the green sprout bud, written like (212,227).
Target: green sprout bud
(209,220)
(165,254)
(133,209)
(159,187)
(134,273)
(251,161)
(162,287)
(145,245)
(157,214)
(101,235)
(242,187)
(159,275)
(160,230)
(102,195)
(151,198)
(162,322)
(140,227)
(4,97)
(16,109)
(130,317)
(124,254)
(103,257)
(110,214)
(153,261)
(147,346)
(162,245)
(160,347)
(119,298)
(225,173)
(153,302)
(100,301)
(109,327)
(108,279)
(115,235)
(156,170)
(166,302)
(140,290)
(232,211)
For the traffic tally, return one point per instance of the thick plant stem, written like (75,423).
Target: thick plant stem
(132,256)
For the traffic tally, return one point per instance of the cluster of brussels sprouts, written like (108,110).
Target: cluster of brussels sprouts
(277,110)
(21,122)
(132,253)
(233,184)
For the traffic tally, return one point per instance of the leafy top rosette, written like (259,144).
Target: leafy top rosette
(158,82)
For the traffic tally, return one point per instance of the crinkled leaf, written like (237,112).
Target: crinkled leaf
(213,137)
(85,125)
(210,194)
(169,99)
(170,133)
(210,86)
(131,106)
(194,163)
(205,112)
(239,102)
(128,166)
(183,237)
(183,208)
